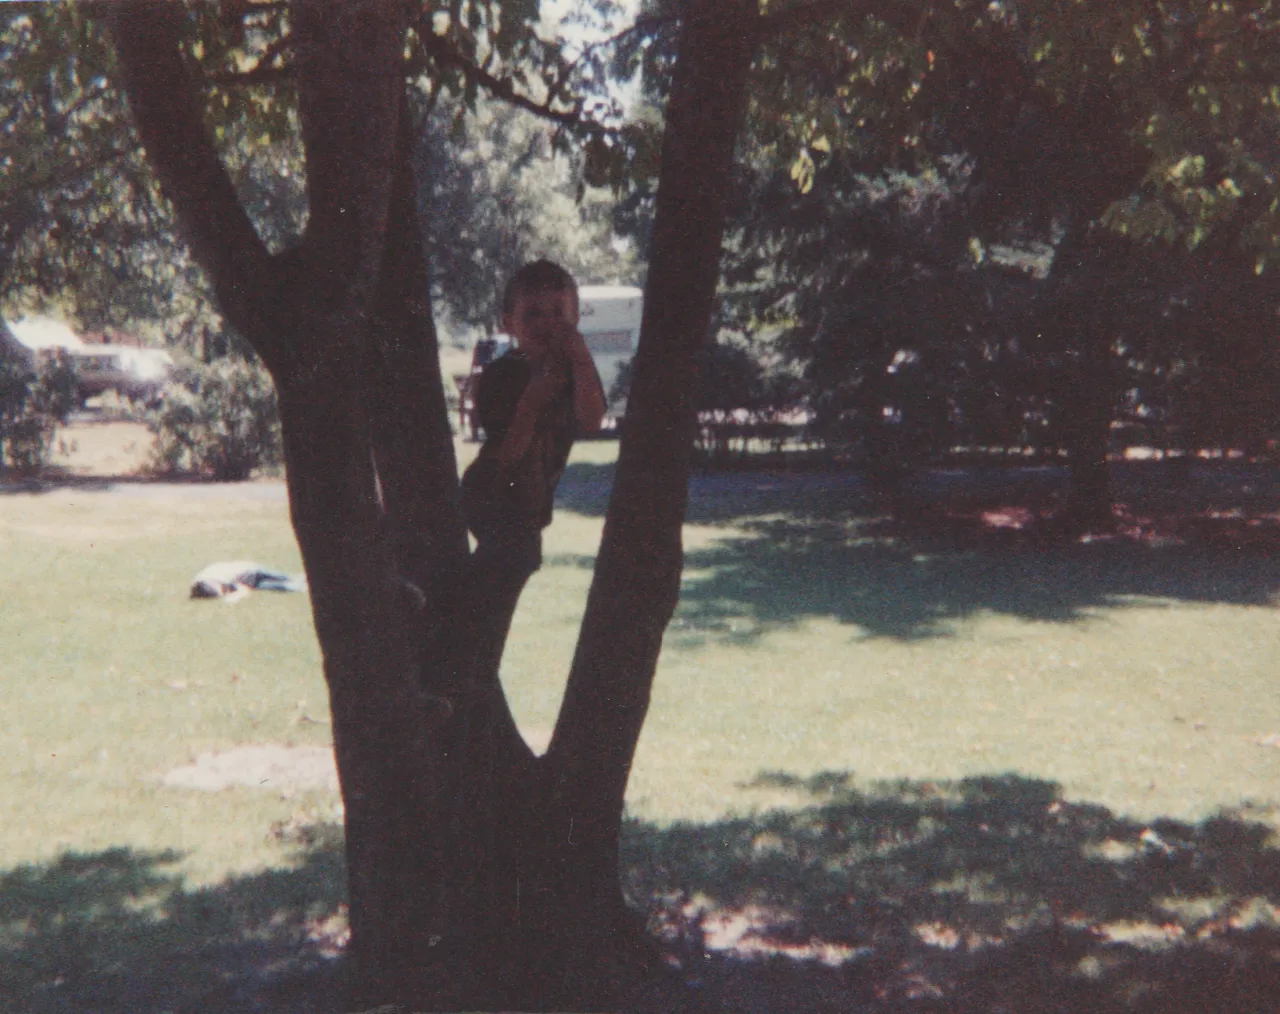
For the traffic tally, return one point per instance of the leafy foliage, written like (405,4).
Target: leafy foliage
(75,196)
(494,195)
(930,208)
(32,406)
(84,225)
(221,420)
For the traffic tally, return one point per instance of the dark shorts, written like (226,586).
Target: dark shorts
(493,507)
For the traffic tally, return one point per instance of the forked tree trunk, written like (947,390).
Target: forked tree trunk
(479,876)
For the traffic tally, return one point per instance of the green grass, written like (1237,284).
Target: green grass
(951,689)
(112,676)
(1135,680)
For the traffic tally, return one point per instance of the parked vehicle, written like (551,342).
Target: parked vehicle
(136,373)
(610,323)
(34,341)
(140,374)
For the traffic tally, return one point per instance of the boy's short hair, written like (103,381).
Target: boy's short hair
(538,276)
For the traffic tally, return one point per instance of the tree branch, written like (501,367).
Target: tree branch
(169,115)
(349,108)
(256,76)
(637,574)
(643,23)
(444,53)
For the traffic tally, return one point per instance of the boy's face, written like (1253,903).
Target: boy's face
(540,321)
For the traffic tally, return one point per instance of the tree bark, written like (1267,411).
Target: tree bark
(478,875)
(1085,322)
(637,576)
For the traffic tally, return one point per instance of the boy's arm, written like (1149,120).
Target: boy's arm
(588,391)
(540,390)
(588,398)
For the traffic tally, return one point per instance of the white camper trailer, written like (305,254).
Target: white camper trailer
(610,325)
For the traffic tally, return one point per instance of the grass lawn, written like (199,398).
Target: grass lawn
(1138,678)
(113,676)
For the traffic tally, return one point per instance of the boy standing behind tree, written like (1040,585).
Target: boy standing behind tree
(532,403)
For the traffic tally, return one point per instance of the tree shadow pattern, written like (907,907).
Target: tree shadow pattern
(959,543)
(118,931)
(1150,490)
(915,585)
(992,895)
(985,895)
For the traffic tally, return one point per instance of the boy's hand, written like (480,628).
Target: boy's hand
(550,378)
(574,345)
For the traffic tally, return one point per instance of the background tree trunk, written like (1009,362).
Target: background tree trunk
(1085,321)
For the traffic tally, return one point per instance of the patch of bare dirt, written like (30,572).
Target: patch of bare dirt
(259,766)
(90,448)
(280,768)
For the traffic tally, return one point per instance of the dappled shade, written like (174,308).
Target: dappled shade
(988,894)
(890,586)
(808,545)
(118,931)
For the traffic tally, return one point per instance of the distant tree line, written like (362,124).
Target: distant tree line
(1005,228)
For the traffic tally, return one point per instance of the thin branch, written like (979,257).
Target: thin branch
(645,23)
(445,54)
(169,115)
(428,107)
(255,76)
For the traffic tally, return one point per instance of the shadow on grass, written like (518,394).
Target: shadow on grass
(714,497)
(962,541)
(117,931)
(1157,488)
(914,586)
(51,479)
(986,895)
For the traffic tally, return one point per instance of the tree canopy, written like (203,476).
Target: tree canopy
(87,229)
(967,216)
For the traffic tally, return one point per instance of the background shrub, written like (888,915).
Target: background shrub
(33,404)
(220,419)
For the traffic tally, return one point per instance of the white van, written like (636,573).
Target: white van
(610,324)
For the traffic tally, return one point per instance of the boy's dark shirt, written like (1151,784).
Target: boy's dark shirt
(499,510)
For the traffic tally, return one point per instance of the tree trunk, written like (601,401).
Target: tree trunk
(637,575)
(479,876)
(1084,325)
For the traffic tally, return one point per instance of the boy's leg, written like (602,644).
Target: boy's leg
(498,576)
(487,600)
